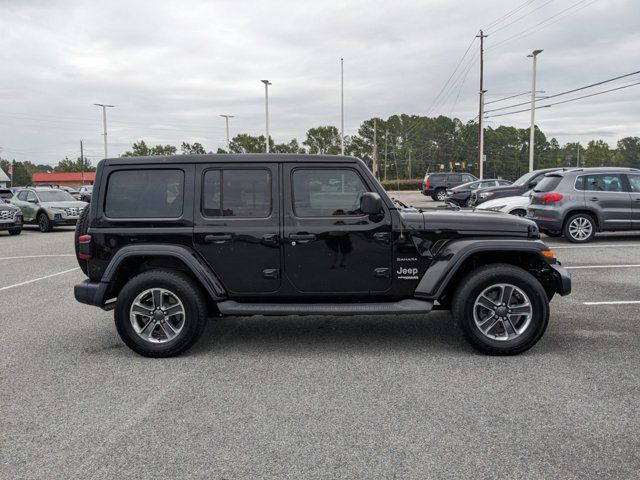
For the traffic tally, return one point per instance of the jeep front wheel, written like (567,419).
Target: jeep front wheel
(502,309)
(160,313)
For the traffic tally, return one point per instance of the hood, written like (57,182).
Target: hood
(7,206)
(502,189)
(484,223)
(68,204)
(517,201)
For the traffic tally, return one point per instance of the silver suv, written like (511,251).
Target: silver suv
(580,202)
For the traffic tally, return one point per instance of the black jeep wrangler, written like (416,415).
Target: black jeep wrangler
(170,241)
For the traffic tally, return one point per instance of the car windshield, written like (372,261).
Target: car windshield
(55,196)
(522,180)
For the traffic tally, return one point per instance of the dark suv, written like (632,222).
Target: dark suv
(435,185)
(580,202)
(523,184)
(171,241)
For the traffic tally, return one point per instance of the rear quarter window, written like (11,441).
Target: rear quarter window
(145,194)
(547,184)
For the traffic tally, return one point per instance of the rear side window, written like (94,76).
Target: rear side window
(237,193)
(455,178)
(325,193)
(634,180)
(547,184)
(600,183)
(145,194)
(434,177)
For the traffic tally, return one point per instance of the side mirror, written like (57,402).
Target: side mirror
(32,200)
(532,184)
(371,203)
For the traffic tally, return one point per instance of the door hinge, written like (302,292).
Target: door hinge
(382,272)
(271,273)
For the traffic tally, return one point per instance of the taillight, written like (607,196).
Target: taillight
(84,247)
(427,185)
(551,197)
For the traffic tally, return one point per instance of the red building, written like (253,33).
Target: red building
(70,179)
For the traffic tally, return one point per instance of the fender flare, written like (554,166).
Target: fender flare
(205,276)
(452,255)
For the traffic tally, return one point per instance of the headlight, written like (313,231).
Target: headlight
(56,209)
(497,208)
(486,195)
(449,192)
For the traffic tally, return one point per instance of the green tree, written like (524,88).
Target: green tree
(140,149)
(68,165)
(629,150)
(192,148)
(597,154)
(245,143)
(291,147)
(323,140)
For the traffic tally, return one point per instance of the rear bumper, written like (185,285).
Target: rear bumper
(429,192)
(562,280)
(546,219)
(91,293)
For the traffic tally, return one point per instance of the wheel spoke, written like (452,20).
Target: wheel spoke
(521,309)
(486,302)
(173,310)
(140,309)
(507,291)
(489,323)
(157,298)
(508,325)
(168,330)
(148,329)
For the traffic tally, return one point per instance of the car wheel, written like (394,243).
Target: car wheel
(580,228)
(441,195)
(160,313)
(82,227)
(469,202)
(44,224)
(519,213)
(502,309)
(15,231)
(552,233)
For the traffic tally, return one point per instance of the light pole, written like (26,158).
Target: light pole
(266,107)
(226,118)
(533,55)
(104,123)
(342,106)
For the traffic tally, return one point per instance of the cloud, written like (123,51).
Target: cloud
(172,68)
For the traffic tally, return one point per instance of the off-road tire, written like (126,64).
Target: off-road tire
(440,194)
(576,216)
(179,285)
(82,227)
(44,224)
(475,283)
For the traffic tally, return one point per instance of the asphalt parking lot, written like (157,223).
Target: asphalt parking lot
(383,397)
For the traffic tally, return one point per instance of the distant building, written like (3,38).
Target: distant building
(69,179)
(4,179)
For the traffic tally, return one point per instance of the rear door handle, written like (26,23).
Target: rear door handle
(302,237)
(217,237)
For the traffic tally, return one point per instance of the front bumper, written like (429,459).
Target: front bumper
(10,225)
(562,280)
(91,293)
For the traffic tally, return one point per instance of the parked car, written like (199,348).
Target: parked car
(521,185)
(461,195)
(435,185)
(176,239)
(10,218)
(512,205)
(5,193)
(48,207)
(85,193)
(580,202)
(71,191)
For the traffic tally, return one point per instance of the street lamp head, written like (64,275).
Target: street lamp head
(535,52)
(226,116)
(266,82)
(103,105)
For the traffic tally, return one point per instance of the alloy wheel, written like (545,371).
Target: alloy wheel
(157,315)
(580,228)
(502,312)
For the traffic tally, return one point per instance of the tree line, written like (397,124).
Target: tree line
(406,146)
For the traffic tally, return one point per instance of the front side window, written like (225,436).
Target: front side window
(23,195)
(237,193)
(31,197)
(634,180)
(455,178)
(600,183)
(145,194)
(468,178)
(325,193)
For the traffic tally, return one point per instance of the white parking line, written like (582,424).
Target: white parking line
(613,245)
(604,266)
(618,302)
(39,278)
(36,256)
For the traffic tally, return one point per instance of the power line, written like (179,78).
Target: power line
(508,14)
(568,100)
(493,32)
(507,98)
(567,92)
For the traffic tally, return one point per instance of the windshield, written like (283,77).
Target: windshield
(55,196)
(522,180)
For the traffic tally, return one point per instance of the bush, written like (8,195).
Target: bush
(403,184)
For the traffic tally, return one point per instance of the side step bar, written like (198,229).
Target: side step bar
(231,307)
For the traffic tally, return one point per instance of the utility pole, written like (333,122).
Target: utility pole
(342,106)
(82,160)
(410,165)
(104,123)
(482,36)
(266,106)
(386,134)
(226,119)
(375,147)
(533,55)
(578,151)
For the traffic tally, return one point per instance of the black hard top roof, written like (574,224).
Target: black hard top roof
(230,158)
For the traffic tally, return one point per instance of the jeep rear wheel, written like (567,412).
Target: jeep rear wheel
(502,309)
(160,313)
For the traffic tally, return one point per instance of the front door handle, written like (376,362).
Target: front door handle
(270,239)
(594,199)
(302,237)
(217,237)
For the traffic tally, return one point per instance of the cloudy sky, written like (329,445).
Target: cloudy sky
(171,68)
